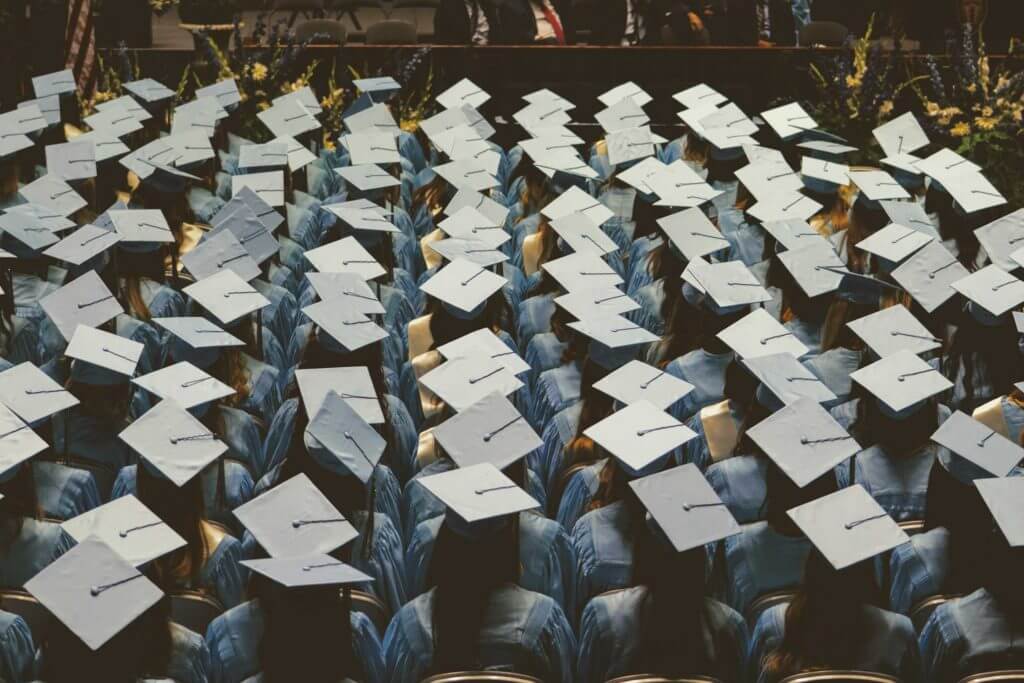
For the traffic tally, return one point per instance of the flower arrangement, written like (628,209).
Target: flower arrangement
(110,80)
(161,7)
(978,110)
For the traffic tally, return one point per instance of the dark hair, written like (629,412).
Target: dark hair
(781,495)
(825,623)
(445,327)
(182,509)
(307,633)
(985,352)
(19,503)
(464,574)
(899,438)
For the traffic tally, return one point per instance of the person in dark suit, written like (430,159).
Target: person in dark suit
(764,23)
(637,22)
(466,22)
(540,22)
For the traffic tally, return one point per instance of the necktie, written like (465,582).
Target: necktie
(552,18)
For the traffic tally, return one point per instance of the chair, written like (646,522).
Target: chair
(391,32)
(650,678)
(328,31)
(1007,676)
(372,607)
(307,8)
(827,33)
(912,527)
(194,609)
(765,602)
(28,608)
(837,676)
(920,613)
(481,677)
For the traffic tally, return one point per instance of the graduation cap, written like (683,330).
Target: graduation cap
(622,115)
(461,382)
(346,255)
(599,302)
(196,339)
(468,173)
(902,135)
(173,442)
(268,186)
(474,251)
(992,288)
(339,439)
(165,179)
(342,329)
(224,91)
(693,233)
(878,185)
(18,442)
(367,177)
(495,212)
(484,342)
(581,271)
(701,94)
(848,526)
(1003,237)
(104,146)
(789,120)
(638,381)
(116,121)
(575,200)
(794,234)
(901,382)
(102,358)
(352,384)
(973,192)
(266,156)
(349,289)
(56,83)
(32,394)
(759,334)
(477,494)
(804,440)
(226,296)
(74,160)
(218,252)
(53,192)
(824,176)
(13,137)
(185,384)
(782,206)
(249,231)
(979,445)
(640,436)
(817,269)
(583,235)
(894,243)
(366,147)
(468,223)
(299,156)
(126,103)
(84,301)
(149,90)
(47,217)
(295,519)
(614,331)
(929,274)
(894,329)
(247,198)
(489,431)
(765,179)
(129,528)
(380,88)
(289,117)
(307,571)
(147,226)
(29,231)
(93,591)
(464,286)
(1004,498)
(731,284)
(463,92)
(629,90)
(784,380)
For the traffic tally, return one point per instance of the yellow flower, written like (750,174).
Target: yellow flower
(985,122)
(972,88)
(1017,115)
(932,109)
(263,106)
(944,120)
(259,71)
(886,108)
(987,111)
(961,129)
(853,81)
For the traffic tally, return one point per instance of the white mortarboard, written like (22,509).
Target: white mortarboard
(894,243)
(104,146)
(784,206)
(756,154)
(636,175)
(575,200)
(93,591)
(622,115)
(104,350)
(71,160)
(198,121)
(141,225)
(759,334)
(804,440)
(629,144)
(269,155)
(906,164)
(566,163)
(85,301)
(494,211)
(541,114)
(461,382)
(823,170)
(693,233)
(224,91)
(484,342)
(379,86)
(638,381)
(247,228)
(28,230)
(848,526)
(1002,237)
(149,90)
(305,96)
(289,117)
(294,519)
(468,173)
(367,177)
(173,442)
(698,95)
(347,327)
(901,380)
(894,329)
(929,275)
(267,214)
(308,570)
(973,192)
(226,296)
(817,269)
(468,223)
(945,164)
(198,332)
(626,90)
(463,284)
(47,217)
(827,147)
(732,284)
(479,492)
(788,379)
(51,191)
(298,155)
(992,288)
(349,289)
(126,103)
(185,384)
(547,96)
(217,252)
(794,234)
(345,442)
(346,255)
(454,248)
(614,331)
(352,384)
(766,179)
(491,430)
(878,185)
(598,302)
(1005,500)
(269,186)
(12,139)
(902,135)
(583,235)
(789,120)
(56,83)
(727,120)
(463,92)
(32,394)
(639,435)
(580,271)
(18,442)
(685,507)
(367,147)
(129,528)
(978,444)
(32,116)
(145,160)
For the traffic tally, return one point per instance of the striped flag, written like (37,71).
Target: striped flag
(80,45)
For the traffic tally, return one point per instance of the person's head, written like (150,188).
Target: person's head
(19,502)
(835,331)
(782,495)
(985,357)
(900,435)
(446,326)
(182,509)
(866,218)
(432,195)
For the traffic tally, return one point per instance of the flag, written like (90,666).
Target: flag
(80,45)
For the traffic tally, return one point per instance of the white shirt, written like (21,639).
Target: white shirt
(482,29)
(545,31)
(634,25)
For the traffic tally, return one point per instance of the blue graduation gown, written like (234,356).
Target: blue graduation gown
(919,569)
(64,492)
(740,482)
(603,543)
(898,483)
(17,652)
(833,368)
(760,560)
(706,372)
(38,544)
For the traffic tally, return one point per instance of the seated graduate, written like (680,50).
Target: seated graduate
(476,617)
(298,626)
(984,631)
(112,622)
(17,652)
(665,624)
(834,620)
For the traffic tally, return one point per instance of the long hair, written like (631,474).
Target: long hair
(835,331)
(986,353)
(431,196)
(445,327)
(782,495)
(133,269)
(464,574)
(307,633)
(864,222)
(899,438)
(19,503)
(182,509)
(826,625)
